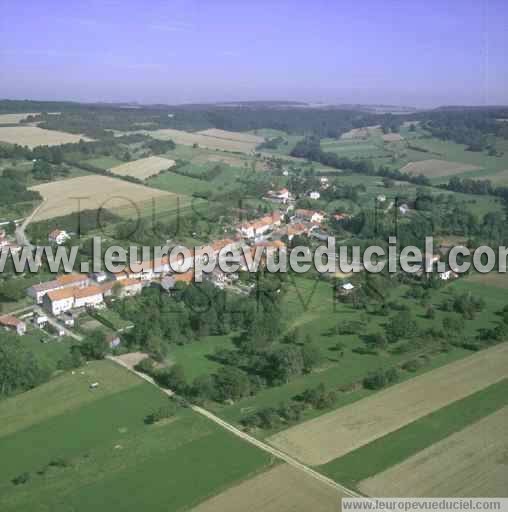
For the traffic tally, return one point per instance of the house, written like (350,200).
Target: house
(278,196)
(324,182)
(381,198)
(130,287)
(58,236)
(113,340)
(99,277)
(256,229)
(346,288)
(68,319)
(10,322)
(60,301)
(447,275)
(38,291)
(309,215)
(91,296)
(40,320)
(341,216)
(404,208)
(167,283)
(315,195)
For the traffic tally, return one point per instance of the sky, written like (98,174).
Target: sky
(422,53)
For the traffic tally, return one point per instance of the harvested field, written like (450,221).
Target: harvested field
(143,168)
(15,118)
(238,136)
(392,137)
(434,168)
(470,463)
(91,192)
(361,133)
(334,434)
(281,489)
(204,141)
(33,136)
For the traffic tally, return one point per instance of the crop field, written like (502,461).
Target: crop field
(33,136)
(92,192)
(15,118)
(237,136)
(361,133)
(471,462)
(336,433)
(204,141)
(434,168)
(392,137)
(87,447)
(281,489)
(143,168)
(393,449)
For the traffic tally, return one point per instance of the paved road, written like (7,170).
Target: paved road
(343,491)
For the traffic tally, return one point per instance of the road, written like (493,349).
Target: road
(21,237)
(343,491)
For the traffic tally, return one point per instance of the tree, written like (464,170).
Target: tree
(95,345)
(312,356)
(12,290)
(231,384)
(400,326)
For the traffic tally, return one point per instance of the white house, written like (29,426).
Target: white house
(60,301)
(403,208)
(315,195)
(38,291)
(309,215)
(447,275)
(90,296)
(257,228)
(58,236)
(12,323)
(278,196)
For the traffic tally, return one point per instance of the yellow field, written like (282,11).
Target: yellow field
(470,463)
(33,136)
(92,192)
(336,433)
(144,167)
(361,133)
(238,136)
(281,489)
(392,137)
(15,118)
(203,141)
(434,168)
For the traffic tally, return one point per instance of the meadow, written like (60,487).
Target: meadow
(143,168)
(88,448)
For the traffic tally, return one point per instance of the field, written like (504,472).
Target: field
(336,433)
(361,133)
(204,141)
(143,168)
(237,136)
(281,489)
(33,136)
(15,118)
(393,449)
(471,462)
(87,448)
(437,168)
(61,197)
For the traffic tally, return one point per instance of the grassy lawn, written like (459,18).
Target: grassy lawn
(108,450)
(397,446)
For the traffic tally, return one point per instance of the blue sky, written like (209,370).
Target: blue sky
(423,53)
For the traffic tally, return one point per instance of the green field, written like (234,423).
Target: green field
(397,446)
(90,449)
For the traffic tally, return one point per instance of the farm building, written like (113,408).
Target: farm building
(315,195)
(278,196)
(10,322)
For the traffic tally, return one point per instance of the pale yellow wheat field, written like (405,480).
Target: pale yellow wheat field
(238,136)
(90,193)
(472,462)
(336,433)
(281,489)
(144,167)
(434,168)
(33,136)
